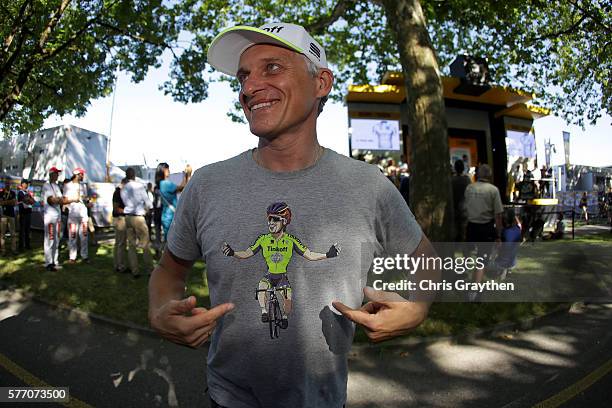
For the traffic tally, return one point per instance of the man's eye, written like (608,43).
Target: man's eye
(273,67)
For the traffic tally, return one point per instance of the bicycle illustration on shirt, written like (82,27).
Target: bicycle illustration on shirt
(274,290)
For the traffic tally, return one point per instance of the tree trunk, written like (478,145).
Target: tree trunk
(430,188)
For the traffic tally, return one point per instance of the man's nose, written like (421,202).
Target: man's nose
(252,84)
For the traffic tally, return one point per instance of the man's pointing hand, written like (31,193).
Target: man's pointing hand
(386,315)
(180,321)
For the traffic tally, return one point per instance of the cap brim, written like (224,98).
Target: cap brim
(227,47)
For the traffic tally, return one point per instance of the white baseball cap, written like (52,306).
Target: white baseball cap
(227,47)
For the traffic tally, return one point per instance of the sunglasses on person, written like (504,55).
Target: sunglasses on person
(275,218)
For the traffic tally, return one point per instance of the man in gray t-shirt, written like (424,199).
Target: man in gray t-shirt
(284,83)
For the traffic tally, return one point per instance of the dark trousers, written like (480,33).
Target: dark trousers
(25,220)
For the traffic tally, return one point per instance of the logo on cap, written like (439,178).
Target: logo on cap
(314,50)
(276,29)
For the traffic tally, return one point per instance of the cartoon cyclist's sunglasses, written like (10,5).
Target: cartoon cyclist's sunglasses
(275,218)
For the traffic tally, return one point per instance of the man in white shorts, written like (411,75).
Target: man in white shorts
(52,201)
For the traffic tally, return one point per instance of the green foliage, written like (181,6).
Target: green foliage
(58,55)
(558,50)
(55,60)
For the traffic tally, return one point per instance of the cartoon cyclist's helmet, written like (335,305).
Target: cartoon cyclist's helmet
(281,210)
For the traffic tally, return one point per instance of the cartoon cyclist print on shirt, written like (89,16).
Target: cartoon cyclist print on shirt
(277,248)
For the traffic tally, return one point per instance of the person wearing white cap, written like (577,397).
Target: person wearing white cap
(74,195)
(52,200)
(284,83)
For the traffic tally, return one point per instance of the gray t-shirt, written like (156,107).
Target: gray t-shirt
(337,200)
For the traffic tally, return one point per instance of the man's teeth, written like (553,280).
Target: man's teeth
(261,105)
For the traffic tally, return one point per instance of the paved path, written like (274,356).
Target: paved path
(109,366)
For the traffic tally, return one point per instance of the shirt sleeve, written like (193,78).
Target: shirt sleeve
(184,240)
(301,248)
(396,228)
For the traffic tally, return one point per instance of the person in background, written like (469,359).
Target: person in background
(25,201)
(91,227)
(484,216)
(150,214)
(8,201)
(157,220)
(459,183)
(511,238)
(466,163)
(63,233)
(584,206)
(536,229)
(404,186)
(120,247)
(78,228)
(52,201)
(169,193)
(559,230)
(137,203)
(609,206)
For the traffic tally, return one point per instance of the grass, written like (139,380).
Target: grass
(93,287)
(98,289)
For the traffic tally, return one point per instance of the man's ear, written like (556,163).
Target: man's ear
(325,81)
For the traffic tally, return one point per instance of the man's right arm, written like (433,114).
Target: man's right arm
(174,317)
(167,281)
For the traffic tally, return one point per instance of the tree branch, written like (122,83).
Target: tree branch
(16,25)
(591,16)
(52,24)
(48,54)
(568,30)
(11,98)
(319,26)
(139,37)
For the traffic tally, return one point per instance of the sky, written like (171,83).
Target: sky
(148,127)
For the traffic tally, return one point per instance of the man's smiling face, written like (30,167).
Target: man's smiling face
(278,94)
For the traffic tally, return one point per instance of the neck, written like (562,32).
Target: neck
(288,152)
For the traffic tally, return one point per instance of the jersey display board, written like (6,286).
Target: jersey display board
(375,134)
(463,149)
(521,150)
(520,144)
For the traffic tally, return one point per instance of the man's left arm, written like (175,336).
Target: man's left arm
(387,314)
